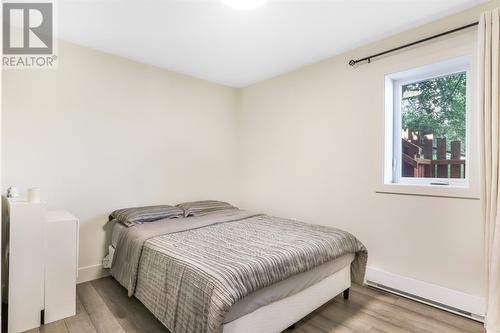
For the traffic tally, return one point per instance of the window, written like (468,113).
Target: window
(426,125)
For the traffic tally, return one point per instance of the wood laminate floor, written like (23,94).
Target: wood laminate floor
(103,307)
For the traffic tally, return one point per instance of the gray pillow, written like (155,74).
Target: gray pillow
(138,215)
(198,208)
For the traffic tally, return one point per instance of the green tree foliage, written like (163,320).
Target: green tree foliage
(436,106)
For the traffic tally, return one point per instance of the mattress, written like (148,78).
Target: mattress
(285,288)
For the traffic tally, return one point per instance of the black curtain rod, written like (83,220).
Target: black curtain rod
(369,58)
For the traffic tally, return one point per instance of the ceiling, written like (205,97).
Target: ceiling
(208,40)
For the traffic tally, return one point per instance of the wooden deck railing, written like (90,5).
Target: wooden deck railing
(419,159)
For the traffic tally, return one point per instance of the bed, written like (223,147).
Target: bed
(234,271)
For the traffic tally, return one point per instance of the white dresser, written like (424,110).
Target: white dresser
(61,265)
(43,258)
(26,264)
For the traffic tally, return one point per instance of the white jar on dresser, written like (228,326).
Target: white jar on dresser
(42,264)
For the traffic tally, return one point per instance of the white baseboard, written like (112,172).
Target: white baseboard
(431,294)
(90,273)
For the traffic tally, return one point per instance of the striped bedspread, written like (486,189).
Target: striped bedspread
(207,269)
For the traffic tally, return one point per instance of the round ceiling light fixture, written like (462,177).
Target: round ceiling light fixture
(244,4)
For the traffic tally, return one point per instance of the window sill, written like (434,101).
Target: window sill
(448,191)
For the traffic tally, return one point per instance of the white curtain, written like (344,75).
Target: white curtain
(489,77)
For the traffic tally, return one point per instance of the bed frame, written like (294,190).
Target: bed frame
(282,314)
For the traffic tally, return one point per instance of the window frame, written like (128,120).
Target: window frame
(394,83)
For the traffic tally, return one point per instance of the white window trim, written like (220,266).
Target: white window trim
(392,180)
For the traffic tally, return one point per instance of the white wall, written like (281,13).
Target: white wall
(101,132)
(312,149)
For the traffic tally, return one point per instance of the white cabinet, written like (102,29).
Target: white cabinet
(43,258)
(26,264)
(61,265)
